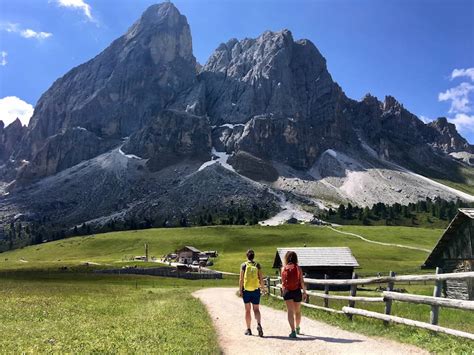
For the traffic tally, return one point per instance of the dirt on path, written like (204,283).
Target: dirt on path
(227,313)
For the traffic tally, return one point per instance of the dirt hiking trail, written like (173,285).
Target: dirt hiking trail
(227,313)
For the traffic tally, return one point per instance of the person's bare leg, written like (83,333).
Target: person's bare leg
(248,316)
(256,312)
(297,313)
(290,306)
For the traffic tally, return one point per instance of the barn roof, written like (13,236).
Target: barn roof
(463,215)
(309,256)
(193,249)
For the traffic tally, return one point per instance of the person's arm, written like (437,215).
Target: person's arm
(303,285)
(281,273)
(241,282)
(260,279)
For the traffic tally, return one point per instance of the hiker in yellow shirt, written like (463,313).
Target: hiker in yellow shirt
(250,283)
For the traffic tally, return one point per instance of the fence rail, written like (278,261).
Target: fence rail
(386,279)
(274,289)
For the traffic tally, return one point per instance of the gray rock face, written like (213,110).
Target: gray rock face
(283,92)
(117,92)
(62,151)
(10,138)
(271,74)
(171,136)
(252,167)
(447,138)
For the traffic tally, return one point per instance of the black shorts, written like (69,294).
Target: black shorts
(251,296)
(294,295)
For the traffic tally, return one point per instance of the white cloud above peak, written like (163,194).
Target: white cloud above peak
(25,32)
(461,98)
(79,5)
(459,73)
(12,107)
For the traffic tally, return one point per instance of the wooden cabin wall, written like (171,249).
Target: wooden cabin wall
(333,273)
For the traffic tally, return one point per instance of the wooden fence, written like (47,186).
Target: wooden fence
(164,272)
(436,301)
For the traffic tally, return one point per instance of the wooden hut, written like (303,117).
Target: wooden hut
(336,263)
(188,254)
(454,252)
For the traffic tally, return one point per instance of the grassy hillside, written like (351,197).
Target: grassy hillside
(231,242)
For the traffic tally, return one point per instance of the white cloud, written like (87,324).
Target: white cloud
(78,4)
(3,58)
(459,73)
(12,107)
(29,33)
(25,33)
(464,123)
(459,97)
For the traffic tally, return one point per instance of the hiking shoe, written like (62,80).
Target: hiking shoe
(260,330)
(248,332)
(293,334)
(298,330)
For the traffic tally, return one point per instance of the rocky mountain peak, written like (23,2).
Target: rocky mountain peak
(10,138)
(391,104)
(119,91)
(448,138)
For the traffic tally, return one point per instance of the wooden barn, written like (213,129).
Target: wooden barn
(188,254)
(454,252)
(337,263)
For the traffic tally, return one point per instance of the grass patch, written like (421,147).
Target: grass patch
(61,314)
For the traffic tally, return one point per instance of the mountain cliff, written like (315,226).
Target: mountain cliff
(144,133)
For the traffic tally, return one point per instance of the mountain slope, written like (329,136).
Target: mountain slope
(142,133)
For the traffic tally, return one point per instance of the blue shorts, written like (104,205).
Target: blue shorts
(251,296)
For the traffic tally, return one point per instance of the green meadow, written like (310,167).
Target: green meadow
(49,308)
(231,242)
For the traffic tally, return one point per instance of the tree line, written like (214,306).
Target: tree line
(396,213)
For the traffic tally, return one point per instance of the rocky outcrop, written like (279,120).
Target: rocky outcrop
(171,137)
(120,90)
(10,138)
(446,137)
(252,167)
(62,151)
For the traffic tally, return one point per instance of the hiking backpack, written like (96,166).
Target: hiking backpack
(251,276)
(290,277)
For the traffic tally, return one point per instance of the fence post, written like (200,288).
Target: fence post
(326,292)
(268,285)
(353,294)
(436,293)
(388,303)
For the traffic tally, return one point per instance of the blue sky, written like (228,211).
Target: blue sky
(420,51)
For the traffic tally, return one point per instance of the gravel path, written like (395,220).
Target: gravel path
(227,313)
(380,243)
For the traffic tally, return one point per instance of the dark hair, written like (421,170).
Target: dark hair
(250,254)
(291,258)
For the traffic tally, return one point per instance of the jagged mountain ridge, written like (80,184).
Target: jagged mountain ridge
(141,118)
